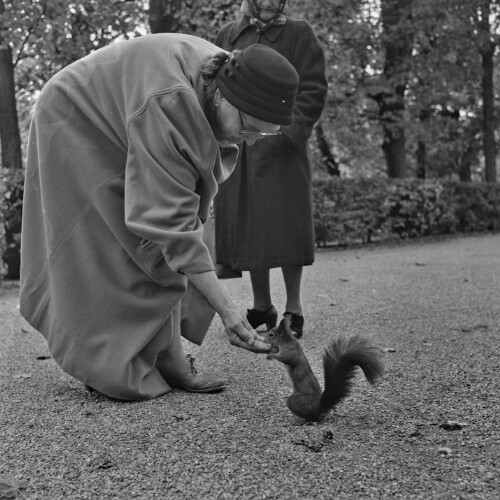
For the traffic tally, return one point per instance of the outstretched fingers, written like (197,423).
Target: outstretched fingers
(248,339)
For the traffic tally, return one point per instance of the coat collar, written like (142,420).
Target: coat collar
(242,24)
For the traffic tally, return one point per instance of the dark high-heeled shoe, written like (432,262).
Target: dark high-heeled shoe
(296,323)
(257,318)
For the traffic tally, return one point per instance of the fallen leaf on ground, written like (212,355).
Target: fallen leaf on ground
(388,349)
(452,425)
(181,416)
(44,356)
(328,435)
(481,327)
(310,445)
(415,432)
(474,328)
(103,461)
(445,452)
(10,488)
(72,475)
(22,375)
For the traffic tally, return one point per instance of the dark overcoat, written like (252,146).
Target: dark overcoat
(264,210)
(122,168)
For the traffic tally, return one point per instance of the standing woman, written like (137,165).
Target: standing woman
(263,213)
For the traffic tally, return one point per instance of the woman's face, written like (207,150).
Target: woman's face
(234,127)
(266,9)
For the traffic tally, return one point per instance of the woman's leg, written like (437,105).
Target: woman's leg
(263,311)
(173,363)
(177,368)
(292,276)
(261,289)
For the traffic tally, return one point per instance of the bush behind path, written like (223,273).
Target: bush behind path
(350,211)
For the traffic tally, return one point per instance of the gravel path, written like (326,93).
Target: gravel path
(428,430)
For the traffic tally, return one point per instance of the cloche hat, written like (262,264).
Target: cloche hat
(260,82)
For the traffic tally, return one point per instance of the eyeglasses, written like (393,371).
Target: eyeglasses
(248,131)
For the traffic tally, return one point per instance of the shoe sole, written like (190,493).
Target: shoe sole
(207,390)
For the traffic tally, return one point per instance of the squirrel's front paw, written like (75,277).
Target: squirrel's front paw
(274,353)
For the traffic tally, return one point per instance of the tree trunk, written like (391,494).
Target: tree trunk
(10,140)
(397,42)
(328,160)
(465,171)
(163,15)
(422,160)
(394,145)
(487,54)
(9,124)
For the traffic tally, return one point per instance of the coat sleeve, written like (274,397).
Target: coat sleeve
(309,61)
(171,152)
(220,41)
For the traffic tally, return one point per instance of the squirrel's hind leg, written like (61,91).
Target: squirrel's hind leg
(305,406)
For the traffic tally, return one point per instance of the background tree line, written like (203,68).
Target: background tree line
(413,85)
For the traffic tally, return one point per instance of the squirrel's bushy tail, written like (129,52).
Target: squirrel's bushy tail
(340,360)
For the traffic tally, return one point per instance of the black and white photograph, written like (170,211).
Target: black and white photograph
(249,249)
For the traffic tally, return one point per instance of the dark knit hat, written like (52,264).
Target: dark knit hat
(260,82)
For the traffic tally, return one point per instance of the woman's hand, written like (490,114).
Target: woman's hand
(239,331)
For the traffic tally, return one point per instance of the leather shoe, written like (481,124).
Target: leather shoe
(201,382)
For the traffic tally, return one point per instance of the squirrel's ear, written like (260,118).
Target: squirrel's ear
(286,321)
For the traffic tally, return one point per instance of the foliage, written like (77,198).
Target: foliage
(476,207)
(11,192)
(347,210)
(360,210)
(349,32)
(443,122)
(46,35)
(202,18)
(413,208)
(444,95)
(443,119)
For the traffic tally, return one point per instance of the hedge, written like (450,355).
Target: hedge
(11,201)
(348,211)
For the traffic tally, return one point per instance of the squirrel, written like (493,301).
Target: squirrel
(339,364)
